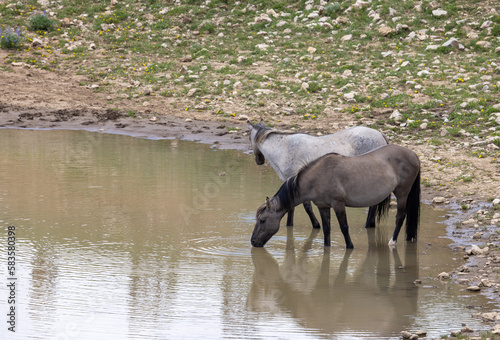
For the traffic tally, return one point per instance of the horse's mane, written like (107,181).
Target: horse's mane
(264,131)
(288,191)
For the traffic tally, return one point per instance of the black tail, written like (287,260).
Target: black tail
(413,210)
(383,208)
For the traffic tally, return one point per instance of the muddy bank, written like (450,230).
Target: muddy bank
(146,125)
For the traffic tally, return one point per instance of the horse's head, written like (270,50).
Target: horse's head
(254,141)
(268,223)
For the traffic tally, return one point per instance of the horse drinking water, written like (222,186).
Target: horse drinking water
(289,152)
(336,181)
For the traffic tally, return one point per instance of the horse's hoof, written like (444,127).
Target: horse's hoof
(317,226)
(349,246)
(392,243)
(370,225)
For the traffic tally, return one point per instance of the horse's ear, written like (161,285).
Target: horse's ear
(268,203)
(262,122)
(250,125)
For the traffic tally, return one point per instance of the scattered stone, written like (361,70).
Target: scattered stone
(192,91)
(346,37)
(473,288)
(485,283)
(385,30)
(311,50)
(496,329)
(477,236)
(264,17)
(243,117)
(496,201)
(467,329)
(396,116)
(438,200)
(490,316)
(443,276)
(475,250)
(439,12)
(36,42)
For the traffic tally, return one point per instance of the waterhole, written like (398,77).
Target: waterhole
(127,238)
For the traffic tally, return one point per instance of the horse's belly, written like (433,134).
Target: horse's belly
(369,195)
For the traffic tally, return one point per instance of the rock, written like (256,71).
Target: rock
(432,47)
(473,288)
(406,335)
(262,47)
(342,20)
(264,17)
(36,42)
(346,37)
(243,117)
(423,126)
(349,95)
(439,12)
(475,250)
(496,201)
(385,30)
(485,283)
(304,86)
(438,200)
(92,47)
(453,42)
(496,329)
(477,236)
(192,91)
(443,276)
(484,44)
(396,116)
(186,59)
(497,50)
(65,22)
(311,50)
(490,316)
(467,330)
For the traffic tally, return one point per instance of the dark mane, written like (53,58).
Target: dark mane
(264,131)
(288,191)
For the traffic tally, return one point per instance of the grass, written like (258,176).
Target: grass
(144,43)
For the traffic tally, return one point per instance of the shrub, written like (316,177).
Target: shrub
(10,39)
(41,22)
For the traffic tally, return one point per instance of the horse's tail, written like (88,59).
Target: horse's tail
(413,210)
(383,208)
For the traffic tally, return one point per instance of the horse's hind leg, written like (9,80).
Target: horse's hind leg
(289,219)
(309,211)
(400,217)
(344,227)
(370,219)
(325,219)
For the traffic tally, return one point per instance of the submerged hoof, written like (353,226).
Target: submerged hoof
(349,246)
(392,243)
(317,226)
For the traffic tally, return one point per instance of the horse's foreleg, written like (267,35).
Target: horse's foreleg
(289,219)
(400,217)
(344,227)
(325,219)
(370,219)
(309,211)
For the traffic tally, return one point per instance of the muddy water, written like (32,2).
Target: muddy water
(126,238)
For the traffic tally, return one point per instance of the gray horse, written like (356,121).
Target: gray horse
(287,153)
(335,181)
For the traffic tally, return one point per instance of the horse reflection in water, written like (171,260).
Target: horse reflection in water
(375,296)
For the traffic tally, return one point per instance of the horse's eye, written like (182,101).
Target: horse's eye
(262,220)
